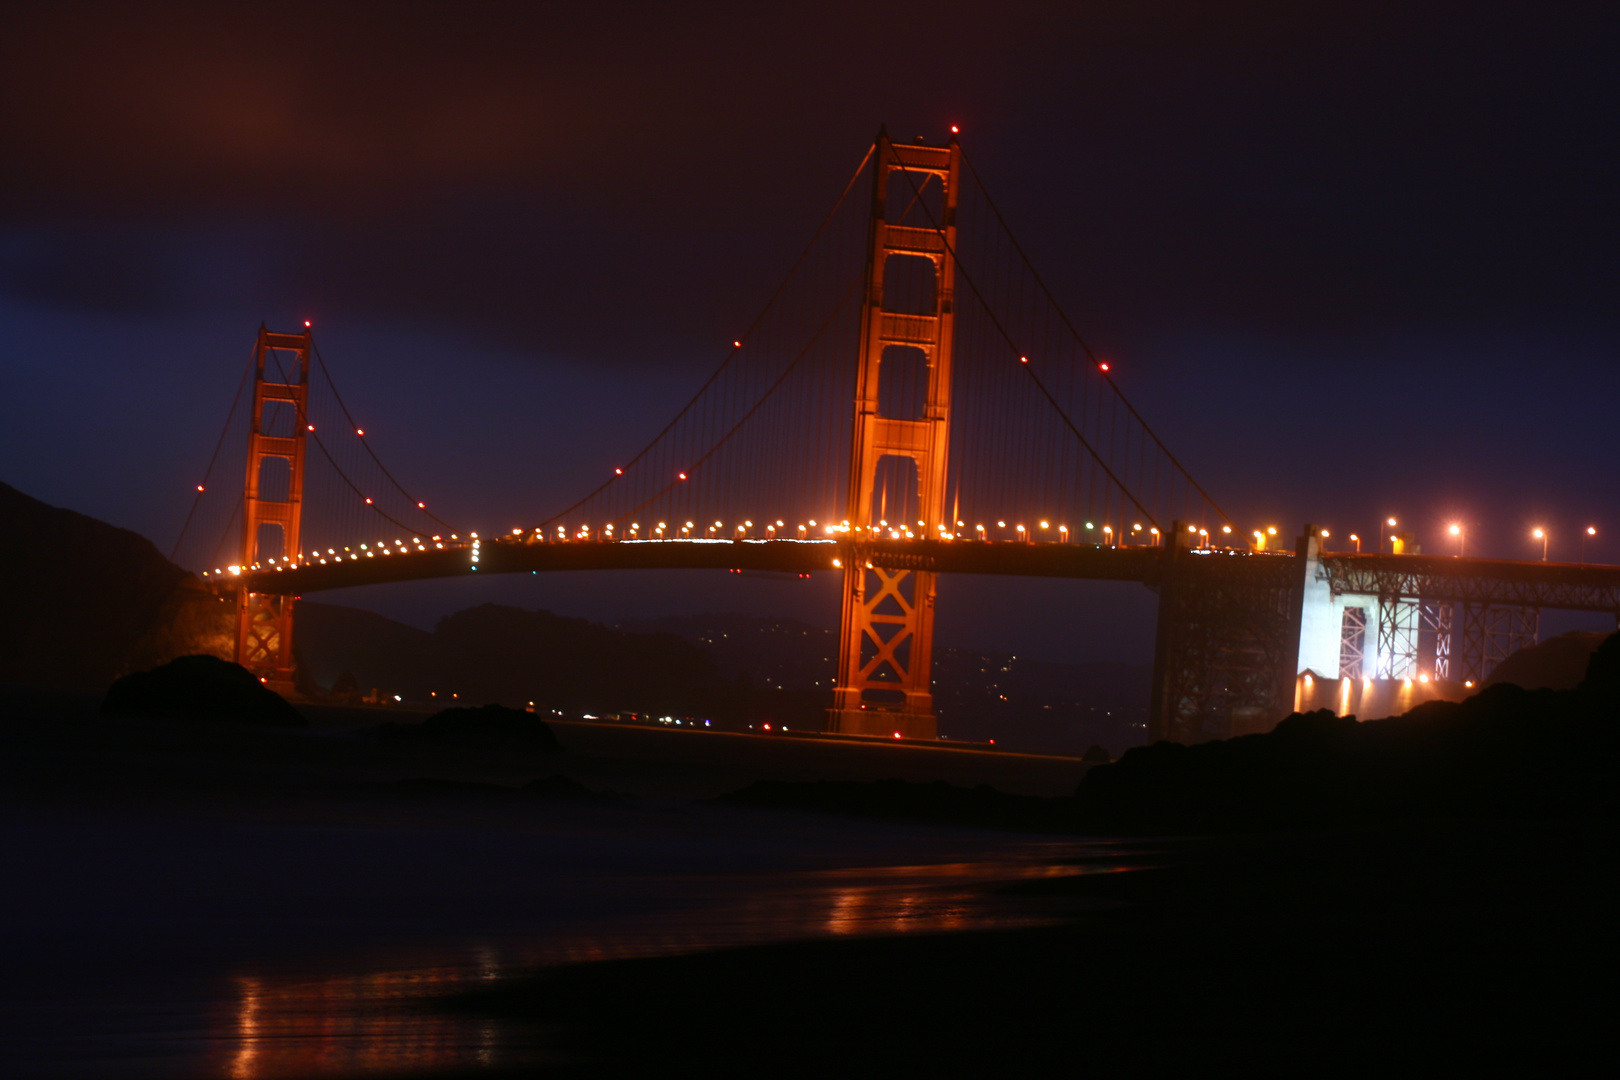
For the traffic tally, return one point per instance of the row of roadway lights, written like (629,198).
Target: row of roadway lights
(1149,535)
(332,555)
(896,531)
(1460,534)
(1262,538)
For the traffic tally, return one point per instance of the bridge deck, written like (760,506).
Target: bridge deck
(785,556)
(1501,582)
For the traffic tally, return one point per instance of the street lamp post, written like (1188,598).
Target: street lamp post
(1590,531)
(1357,541)
(1541,534)
(1457,531)
(1387,521)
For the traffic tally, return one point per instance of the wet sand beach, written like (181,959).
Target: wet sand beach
(186,899)
(191,900)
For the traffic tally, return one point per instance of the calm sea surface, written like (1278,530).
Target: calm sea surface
(253,945)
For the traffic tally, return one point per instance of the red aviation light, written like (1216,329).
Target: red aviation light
(1102,365)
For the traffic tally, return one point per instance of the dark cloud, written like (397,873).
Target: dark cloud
(1271,166)
(1362,249)
(113,272)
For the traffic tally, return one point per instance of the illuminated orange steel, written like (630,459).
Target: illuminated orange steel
(887,633)
(264,622)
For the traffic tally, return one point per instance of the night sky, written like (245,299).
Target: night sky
(1350,260)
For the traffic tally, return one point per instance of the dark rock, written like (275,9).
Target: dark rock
(1602,683)
(1506,752)
(200,688)
(492,723)
(571,790)
(1555,664)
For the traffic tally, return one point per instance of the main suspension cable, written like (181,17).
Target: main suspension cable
(1012,345)
(209,472)
(1081,341)
(736,348)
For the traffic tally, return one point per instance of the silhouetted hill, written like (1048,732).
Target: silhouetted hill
(506,655)
(1023,704)
(1559,663)
(374,651)
(86,602)
(783,654)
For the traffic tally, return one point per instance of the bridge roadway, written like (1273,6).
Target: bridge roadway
(501,556)
(1500,582)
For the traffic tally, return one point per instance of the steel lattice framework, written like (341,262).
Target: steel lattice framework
(264,620)
(1500,604)
(887,632)
(1228,637)
(1486,582)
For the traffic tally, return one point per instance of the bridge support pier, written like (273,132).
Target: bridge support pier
(885,654)
(1227,641)
(272,505)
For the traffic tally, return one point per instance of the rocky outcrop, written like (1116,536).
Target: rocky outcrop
(1559,663)
(200,688)
(87,601)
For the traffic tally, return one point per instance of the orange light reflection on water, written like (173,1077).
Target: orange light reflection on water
(351,1024)
(383,1021)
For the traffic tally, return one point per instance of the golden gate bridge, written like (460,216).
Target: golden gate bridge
(911,401)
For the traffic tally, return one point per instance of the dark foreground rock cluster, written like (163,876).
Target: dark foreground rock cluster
(488,724)
(1504,753)
(202,688)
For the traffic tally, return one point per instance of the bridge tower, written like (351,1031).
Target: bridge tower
(887,631)
(273,497)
